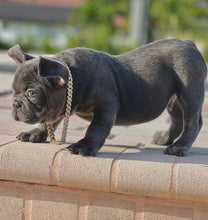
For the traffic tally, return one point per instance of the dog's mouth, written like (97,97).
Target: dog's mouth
(26,117)
(15,116)
(42,121)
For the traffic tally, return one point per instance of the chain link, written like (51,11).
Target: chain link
(67,113)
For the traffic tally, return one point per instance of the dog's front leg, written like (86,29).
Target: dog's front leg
(36,135)
(96,133)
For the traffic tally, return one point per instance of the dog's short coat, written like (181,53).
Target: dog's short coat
(131,88)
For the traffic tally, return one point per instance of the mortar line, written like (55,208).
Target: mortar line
(114,170)
(27,204)
(196,213)
(2,145)
(54,177)
(82,207)
(174,177)
(139,211)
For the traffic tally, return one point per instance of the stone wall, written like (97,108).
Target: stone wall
(44,182)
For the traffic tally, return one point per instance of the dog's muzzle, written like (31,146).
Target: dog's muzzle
(16,104)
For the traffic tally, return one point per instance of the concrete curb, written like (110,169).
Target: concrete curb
(132,171)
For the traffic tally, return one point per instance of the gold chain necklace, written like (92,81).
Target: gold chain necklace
(49,126)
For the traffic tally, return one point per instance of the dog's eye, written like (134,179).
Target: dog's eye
(31,93)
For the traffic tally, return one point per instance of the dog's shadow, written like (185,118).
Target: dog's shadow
(149,153)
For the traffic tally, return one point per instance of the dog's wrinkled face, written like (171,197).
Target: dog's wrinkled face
(39,95)
(29,90)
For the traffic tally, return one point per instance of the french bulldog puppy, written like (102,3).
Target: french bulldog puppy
(127,89)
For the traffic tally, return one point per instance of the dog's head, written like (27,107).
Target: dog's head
(39,88)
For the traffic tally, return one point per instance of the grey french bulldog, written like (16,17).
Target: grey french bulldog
(130,88)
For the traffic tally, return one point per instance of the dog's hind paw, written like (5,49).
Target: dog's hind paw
(180,151)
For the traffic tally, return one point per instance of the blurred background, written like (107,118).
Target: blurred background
(114,26)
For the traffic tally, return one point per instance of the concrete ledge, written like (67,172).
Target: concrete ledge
(142,171)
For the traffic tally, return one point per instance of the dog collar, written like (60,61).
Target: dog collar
(49,126)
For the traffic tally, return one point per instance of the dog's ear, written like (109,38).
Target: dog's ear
(17,55)
(50,68)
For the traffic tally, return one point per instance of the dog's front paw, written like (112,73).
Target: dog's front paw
(176,150)
(83,147)
(36,136)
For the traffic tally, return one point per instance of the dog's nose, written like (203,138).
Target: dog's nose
(16,104)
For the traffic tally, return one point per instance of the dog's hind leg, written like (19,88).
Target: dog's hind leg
(191,102)
(176,127)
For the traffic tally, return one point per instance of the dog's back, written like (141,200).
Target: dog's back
(143,79)
(153,73)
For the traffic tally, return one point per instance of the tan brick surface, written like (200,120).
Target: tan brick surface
(29,202)
(52,205)
(11,203)
(110,209)
(27,162)
(192,179)
(87,172)
(5,139)
(203,215)
(162,212)
(144,172)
